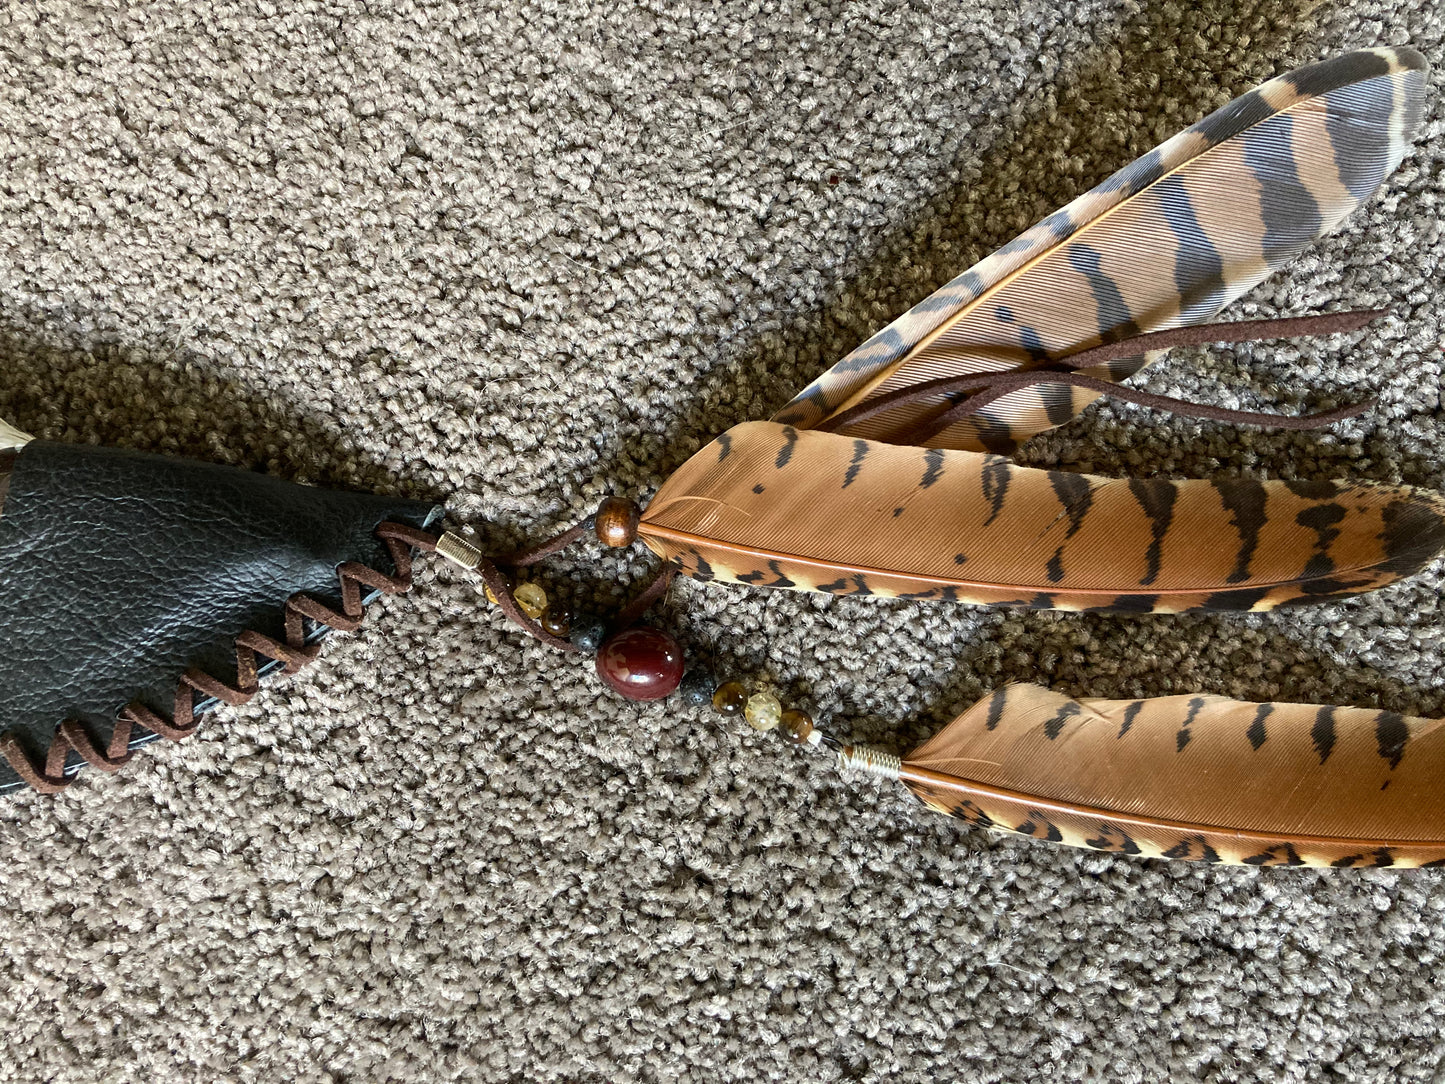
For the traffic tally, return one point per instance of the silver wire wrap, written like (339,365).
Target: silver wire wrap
(866,760)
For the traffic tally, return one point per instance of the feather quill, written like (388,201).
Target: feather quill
(774,506)
(1196,777)
(1166,242)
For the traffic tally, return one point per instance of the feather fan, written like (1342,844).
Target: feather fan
(1166,242)
(1195,777)
(770,505)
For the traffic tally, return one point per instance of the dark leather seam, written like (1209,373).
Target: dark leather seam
(307,620)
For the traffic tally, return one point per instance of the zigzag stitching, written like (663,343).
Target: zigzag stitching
(294,654)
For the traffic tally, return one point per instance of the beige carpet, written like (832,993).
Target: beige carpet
(516,258)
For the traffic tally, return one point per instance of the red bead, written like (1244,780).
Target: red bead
(641,663)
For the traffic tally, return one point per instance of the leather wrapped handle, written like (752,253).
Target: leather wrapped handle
(130,581)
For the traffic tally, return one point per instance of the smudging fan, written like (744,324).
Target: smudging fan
(141,591)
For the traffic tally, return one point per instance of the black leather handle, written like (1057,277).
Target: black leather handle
(119,570)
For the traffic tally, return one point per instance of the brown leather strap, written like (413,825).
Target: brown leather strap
(639,606)
(996,385)
(490,569)
(558,542)
(985,388)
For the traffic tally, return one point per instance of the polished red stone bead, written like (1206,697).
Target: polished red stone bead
(640,663)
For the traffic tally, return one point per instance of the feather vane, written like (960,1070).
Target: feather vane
(773,506)
(1166,242)
(1196,777)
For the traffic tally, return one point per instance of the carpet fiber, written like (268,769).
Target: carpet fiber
(518,257)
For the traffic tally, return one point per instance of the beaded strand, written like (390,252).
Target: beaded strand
(643,663)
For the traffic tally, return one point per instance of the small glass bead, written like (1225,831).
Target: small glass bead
(730,698)
(532,599)
(797,726)
(557,620)
(587,633)
(697,687)
(764,711)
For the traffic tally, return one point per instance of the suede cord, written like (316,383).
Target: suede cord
(984,389)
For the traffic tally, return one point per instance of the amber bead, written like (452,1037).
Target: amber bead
(730,698)
(797,726)
(557,620)
(616,522)
(763,711)
(532,599)
(640,663)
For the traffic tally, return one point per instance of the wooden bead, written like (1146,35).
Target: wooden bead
(532,599)
(616,522)
(797,726)
(764,711)
(557,620)
(730,698)
(640,663)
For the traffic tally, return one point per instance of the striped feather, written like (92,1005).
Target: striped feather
(1197,777)
(1168,241)
(773,506)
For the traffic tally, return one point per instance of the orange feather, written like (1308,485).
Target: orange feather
(1198,777)
(769,505)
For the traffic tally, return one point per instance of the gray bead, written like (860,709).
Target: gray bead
(588,632)
(697,687)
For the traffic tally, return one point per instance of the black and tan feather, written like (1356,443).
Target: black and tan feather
(773,506)
(1166,242)
(1194,777)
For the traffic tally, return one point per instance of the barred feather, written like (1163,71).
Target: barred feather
(773,506)
(1166,242)
(1197,777)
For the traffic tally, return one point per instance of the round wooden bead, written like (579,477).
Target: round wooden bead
(764,711)
(616,522)
(730,698)
(697,687)
(532,599)
(557,620)
(797,726)
(640,663)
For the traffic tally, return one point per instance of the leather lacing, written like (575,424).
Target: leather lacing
(490,569)
(295,653)
(980,390)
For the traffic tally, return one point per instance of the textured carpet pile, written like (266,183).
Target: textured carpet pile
(517,256)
